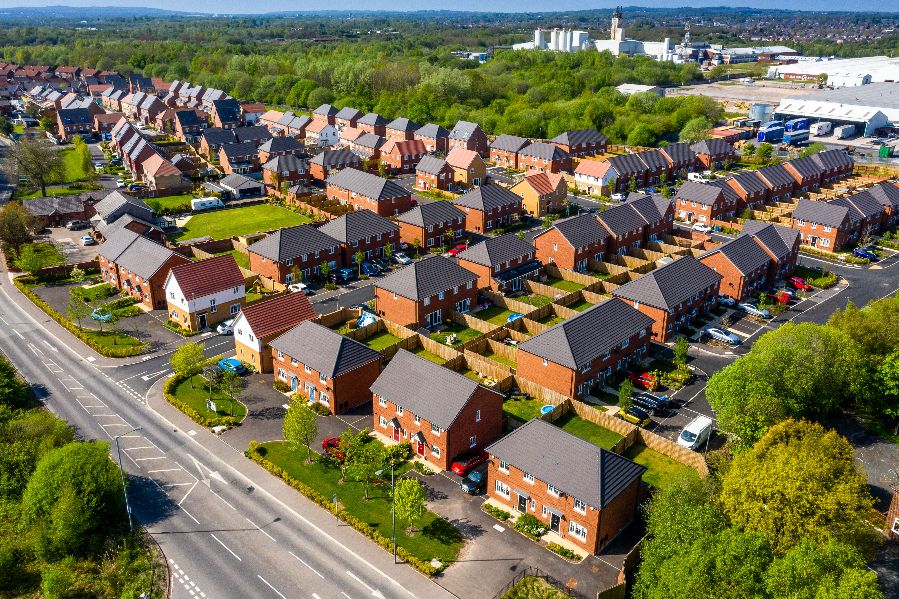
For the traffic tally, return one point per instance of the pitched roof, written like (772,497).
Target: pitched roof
(861,205)
(432,131)
(463,130)
(205,277)
(580,231)
(140,255)
(670,285)
(775,176)
(405,147)
(426,389)
(426,278)
(701,193)
(74,116)
(461,158)
(324,350)
(348,113)
(575,342)
(749,182)
(277,315)
(367,185)
(116,199)
(338,157)
(228,110)
(254,133)
(187,118)
(373,119)
(487,198)
(652,207)
(431,165)
(325,110)
(243,148)
(357,226)
(806,167)
(281,144)
(54,205)
(286,163)
(777,239)
(653,159)
(157,166)
(743,252)
(627,165)
(823,213)
(729,192)
(679,153)
(544,151)
(571,464)
(402,124)
(712,147)
(886,193)
(509,143)
(621,220)
(592,168)
(496,250)
(833,159)
(286,244)
(580,136)
(238,181)
(544,183)
(370,140)
(427,214)
(216,136)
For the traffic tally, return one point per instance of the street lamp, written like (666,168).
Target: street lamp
(392,505)
(122,475)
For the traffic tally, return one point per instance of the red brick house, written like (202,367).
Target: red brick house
(865,214)
(505,148)
(402,156)
(261,322)
(432,225)
(673,295)
(442,413)
(570,243)
(326,113)
(582,492)
(280,146)
(367,191)
(56,211)
(346,118)
(424,293)
(778,180)
(489,207)
(626,228)
(681,160)
(657,212)
(544,158)
(713,153)
(835,165)
(435,138)
(501,263)
(585,350)
(104,122)
(750,188)
(401,129)
(362,231)
(328,368)
(581,142)
(823,225)
(301,249)
(542,193)
(704,202)
(779,242)
(188,126)
(743,265)
(368,146)
(806,171)
(372,123)
(288,169)
(330,161)
(468,136)
(434,173)
(73,121)
(887,194)
(241,158)
(226,113)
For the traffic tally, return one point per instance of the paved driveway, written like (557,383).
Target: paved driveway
(265,413)
(68,242)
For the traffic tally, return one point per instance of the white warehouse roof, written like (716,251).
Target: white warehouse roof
(859,104)
(880,68)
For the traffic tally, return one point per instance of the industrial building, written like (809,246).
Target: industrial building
(557,40)
(869,107)
(848,72)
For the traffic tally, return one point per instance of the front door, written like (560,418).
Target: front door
(434,318)
(201,320)
(554,521)
(293,384)
(421,448)
(522,504)
(396,434)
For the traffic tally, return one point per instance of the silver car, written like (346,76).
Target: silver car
(754,310)
(722,336)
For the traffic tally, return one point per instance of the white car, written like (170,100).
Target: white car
(120,183)
(298,288)
(701,228)
(226,328)
(726,300)
(722,336)
(401,258)
(754,310)
(619,197)
(87,240)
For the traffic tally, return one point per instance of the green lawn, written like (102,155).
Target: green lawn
(116,339)
(430,356)
(381,340)
(522,409)
(535,299)
(435,538)
(242,259)
(179,203)
(494,315)
(661,470)
(550,319)
(581,305)
(197,395)
(564,285)
(462,333)
(500,359)
(73,167)
(531,587)
(24,193)
(585,429)
(239,221)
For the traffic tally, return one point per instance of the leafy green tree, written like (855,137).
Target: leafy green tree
(799,482)
(48,124)
(325,270)
(16,225)
(300,426)
(388,251)
(642,135)
(624,394)
(33,257)
(748,150)
(681,349)
(696,129)
(764,151)
(350,446)
(812,149)
(888,377)
(187,360)
(77,309)
(38,160)
(26,438)
(6,128)
(365,463)
(810,571)
(13,389)
(409,500)
(875,328)
(358,259)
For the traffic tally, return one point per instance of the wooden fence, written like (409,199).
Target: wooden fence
(580,278)
(508,303)
(486,345)
(523,329)
(340,316)
(547,291)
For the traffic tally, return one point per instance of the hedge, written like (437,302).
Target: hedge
(168,391)
(179,330)
(110,352)
(325,502)
(834,256)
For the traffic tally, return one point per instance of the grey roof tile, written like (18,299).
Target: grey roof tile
(775,176)
(679,154)
(744,253)
(621,220)
(544,151)
(712,147)
(324,350)
(701,193)
(822,213)
(356,226)
(432,131)
(373,119)
(497,250)
(431,165)
(285,244)
(581,231)
(431,213)
(426,278)
(341,157)
(463,130)
(366,184)
(580,136)
(488,197)
(670,285)
(509,143)
(402,124)
(777,239)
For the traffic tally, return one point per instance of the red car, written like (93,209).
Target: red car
(646,380)
(468,462)
(781,297)
(330,445)
(458,249)
(800,284)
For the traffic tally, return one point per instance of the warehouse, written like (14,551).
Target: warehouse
(869,107)
(848,72)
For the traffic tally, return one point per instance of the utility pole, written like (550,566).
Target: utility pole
(122,475)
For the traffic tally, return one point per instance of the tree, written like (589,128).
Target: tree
(187,360)
(799,482)
(811,571)
(875,327)
(33,257)
(325,270)
(77,274)
(632,184)
(624,394)
(409,500)
(6,128)
(231,386)
(888,377)
(696,129)
(764,151)
(812,149)
(681,347)
(388,251)
(77,309)
(16,225)
(748,149)
(547,221)
(38,160)
(296,274)
(359,258)
(642,135)
(300,426)
(416,243)
(48,124)
(13,390)
(350,446)
(366,463)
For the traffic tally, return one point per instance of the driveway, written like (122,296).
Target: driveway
(68,242)
(265,413)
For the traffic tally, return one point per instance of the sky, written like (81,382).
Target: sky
(536,6)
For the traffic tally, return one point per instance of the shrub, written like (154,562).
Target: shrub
(281,386)
(496,512)
(399,453)
(320,409)
(563,551)
(530,526)
(176,328)
(677,378)
(422,469)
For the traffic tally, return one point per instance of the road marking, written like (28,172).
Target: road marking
(374,592)
(136,448)
(225,501)
(279,592)
(345,595)
(226,547)
(153,375)
(91,359)
(47,343)
(188,491)
(499,528)
(314,595)
(18,333)
(307,565)
(145,459)
(163,470)
(260,530)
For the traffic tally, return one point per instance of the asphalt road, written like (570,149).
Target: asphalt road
(228,528)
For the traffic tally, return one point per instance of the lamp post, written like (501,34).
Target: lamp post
(392,505)
(122,475)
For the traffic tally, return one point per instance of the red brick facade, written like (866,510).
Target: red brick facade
(278,271)
(152,290)
(442,180)
(381,207)
(553,248)
(340,394)
(408,312)
(668,324)
(734,284)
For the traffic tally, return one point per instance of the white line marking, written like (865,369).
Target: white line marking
(314,596)
(186,512)
(226,547)
(153,458)
(276,590)
(18,333)
(499,528)
(188,492)
(47,343)
(163,470)
(223,499)
(136,448)
(345,595)
(307,565)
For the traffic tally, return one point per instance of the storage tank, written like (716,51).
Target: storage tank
(539,41)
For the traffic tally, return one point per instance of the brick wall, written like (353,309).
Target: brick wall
(344,392)
(407,312)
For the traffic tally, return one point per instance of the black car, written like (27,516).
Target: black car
(650,402)
(475,483)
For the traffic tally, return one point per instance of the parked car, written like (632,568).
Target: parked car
(635,415)
(120,183)
(695,433)
(701,228)
(226,328)
(342,275)
(458,249)
(299,288)
(87,240)
(468,462)
(645,380)
(369,269)
(726,300)
(102,314)
(232,365)
(799,283)
(754,310)
(330,446)
(98,164)
(722,336)
(779,296)
(475,483)
(865,253)
(401,258)
(650,402)
(381,264)
(618,197)
(77,225)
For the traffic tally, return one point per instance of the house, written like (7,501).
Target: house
(346,117)
(402,156)
(251,112)
(424,293)
(835,165)
(586,350)
(469,168)
(104,122)
(138,266)
(56,211)
(887,194)
(505,148)
(226,113)
(372,123)
(778,180)
(742,263)
(349,135)
(133,224)
(750,188)
(213,138)
(434,173)
(822,225)
(321,133)
(713,153)
(365,190)
(571,243)
(118,204)
(328,368)
(468,136)
(431,225)
(673,295)
(362,231)
(368,146)
(401,129)
(188,126)
(74,121)
(241,158)
(657,212)
(626,227)
(544,158)
(285,169)
(704,202)
(237,186)
(162,177)
(681,159)
(258,324)
(489,207)
(325,113)
(595,177)
(280,146)
(582,492)
(443,414)
(501,263)
(779,242)
(202,294)
(657,166)
(542,193)
(806,171)
(865,214)
(256,134)
(330,161)
(581,142)
(293,253)
(435,138)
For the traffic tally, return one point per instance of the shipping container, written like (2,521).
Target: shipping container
(773,135)
(822,128)
(794,138)
(844,131)
(796,125)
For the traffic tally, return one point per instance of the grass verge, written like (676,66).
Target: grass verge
(222,224)
(522,409)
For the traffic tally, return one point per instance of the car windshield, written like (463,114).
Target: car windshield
(475,476)
(688,436)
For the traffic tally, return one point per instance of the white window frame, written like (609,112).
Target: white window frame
(580,506)
(503,467)
(502,489)
(553,490)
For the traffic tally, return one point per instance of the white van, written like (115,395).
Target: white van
(696,433)
(698,177)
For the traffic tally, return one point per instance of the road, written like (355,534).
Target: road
(228,528)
